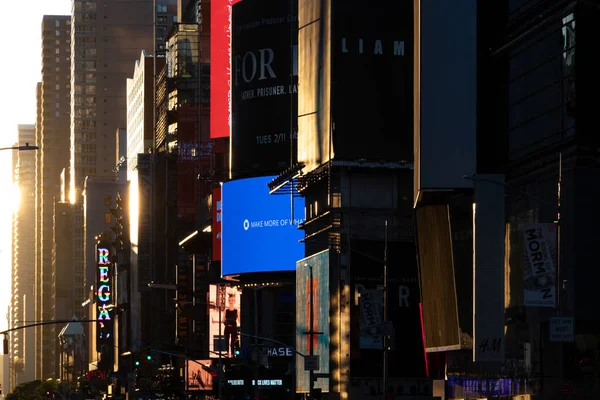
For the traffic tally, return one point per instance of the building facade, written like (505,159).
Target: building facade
(54,131)
(23,358)
(99,197)
(106,40)
(65,279)
(140,128)
(140,111)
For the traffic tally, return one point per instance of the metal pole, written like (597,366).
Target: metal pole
(194,293)
(385,316)
(311,333)
(559,272)
(254,387)
(220,341)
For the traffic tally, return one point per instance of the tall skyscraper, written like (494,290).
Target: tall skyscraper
(106,39)
(23,273)
(54,134)
(38,226)
(140,129)
(165,14)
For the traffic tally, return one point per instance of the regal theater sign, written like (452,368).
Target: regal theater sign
(104,280)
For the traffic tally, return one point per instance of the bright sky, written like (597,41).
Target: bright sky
(19,73)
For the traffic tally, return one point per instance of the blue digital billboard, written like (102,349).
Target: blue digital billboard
(259,231)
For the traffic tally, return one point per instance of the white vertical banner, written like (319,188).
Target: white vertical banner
(488,269)
(539,267)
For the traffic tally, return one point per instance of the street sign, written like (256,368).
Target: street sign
(561,329)
(311,363)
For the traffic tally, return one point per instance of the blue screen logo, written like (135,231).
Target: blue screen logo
(259,231)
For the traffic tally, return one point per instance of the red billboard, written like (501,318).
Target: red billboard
(220,68)
(216,224)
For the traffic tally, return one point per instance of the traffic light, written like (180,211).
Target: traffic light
(237,352)
(5,344)
(149,357)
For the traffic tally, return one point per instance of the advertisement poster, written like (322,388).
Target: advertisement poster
(197,377)
(313,294)
(224,313)
(539,266)
(220,69)
(371,319)
(369,62)
(264,92)
(259,230)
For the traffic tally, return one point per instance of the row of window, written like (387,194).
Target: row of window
(162,19)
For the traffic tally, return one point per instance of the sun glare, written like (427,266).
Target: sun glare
(15,197)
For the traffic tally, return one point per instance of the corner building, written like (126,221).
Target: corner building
(536,105)
(354,170)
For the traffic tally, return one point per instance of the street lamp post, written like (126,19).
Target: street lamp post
(386,343)
(25,147)
(311,333)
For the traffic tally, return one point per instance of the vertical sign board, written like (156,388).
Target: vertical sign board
(184,293)
(144,239)
(562,329)
(104,280)
(539,267)
(220,68)
(488,269)
(319,301)
(216,224)
(200,292)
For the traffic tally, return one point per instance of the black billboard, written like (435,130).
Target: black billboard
(372,80)
(407,355)
(264,88)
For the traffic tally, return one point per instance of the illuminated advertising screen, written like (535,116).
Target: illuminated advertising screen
(220,67)
(224,313)
(197,377)
(264,91)
(104,281)
(313,293)
(260,231)
(372,63)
